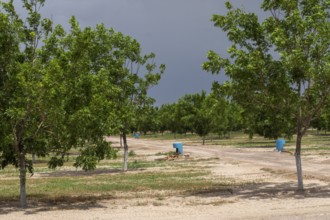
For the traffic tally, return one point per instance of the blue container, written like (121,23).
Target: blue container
(136,135)
(280,145)
(179,147)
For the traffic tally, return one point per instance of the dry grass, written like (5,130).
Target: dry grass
(185,177)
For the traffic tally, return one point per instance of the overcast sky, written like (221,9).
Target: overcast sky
(179,32)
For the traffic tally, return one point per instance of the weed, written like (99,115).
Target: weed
(157,204)
(131,153)
(142,203)
(160,197)
(164,153)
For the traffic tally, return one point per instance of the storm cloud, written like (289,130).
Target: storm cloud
(179,32)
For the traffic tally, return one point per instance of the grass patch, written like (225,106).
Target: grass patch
(178,177)
(170,153)
(213,203)
(241,140)
(207,159)
(131,153)
(317,148)
(171,136)
(145,164)
(60,187)
(268,170)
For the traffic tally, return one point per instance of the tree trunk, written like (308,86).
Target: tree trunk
(121,140)
(125,153)
(33,158)
(22,177)
(298,144)
(203,140)
(298,162)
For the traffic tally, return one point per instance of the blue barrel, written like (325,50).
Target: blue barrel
(179,147)
(280,144)
(136,135)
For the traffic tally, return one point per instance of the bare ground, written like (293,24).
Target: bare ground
(273,196)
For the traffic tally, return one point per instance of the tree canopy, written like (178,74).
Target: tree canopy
(278,67)
(61,90)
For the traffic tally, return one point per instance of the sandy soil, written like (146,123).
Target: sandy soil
(275,197)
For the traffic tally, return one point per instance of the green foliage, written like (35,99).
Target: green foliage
(83,187)
(148,120)
(90,156)
(131,153)
(63,90)
(201,118)
(322,121)
(71,91)
(166,118)
(225,113)
(201,114)
(278,65)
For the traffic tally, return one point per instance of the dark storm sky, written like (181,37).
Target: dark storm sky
(179,32)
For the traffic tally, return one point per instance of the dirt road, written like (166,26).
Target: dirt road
(317,167)
(275,197)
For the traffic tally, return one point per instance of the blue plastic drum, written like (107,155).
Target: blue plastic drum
(280,144)
(179,147)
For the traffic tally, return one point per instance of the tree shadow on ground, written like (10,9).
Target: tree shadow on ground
(266,190)
(68,173)
(42,203)
(62,203)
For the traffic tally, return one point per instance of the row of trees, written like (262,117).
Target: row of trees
(194,113)
(278,69)
(66,89)
(218,113)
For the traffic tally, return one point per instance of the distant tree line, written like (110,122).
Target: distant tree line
(217,113)
(198,113)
